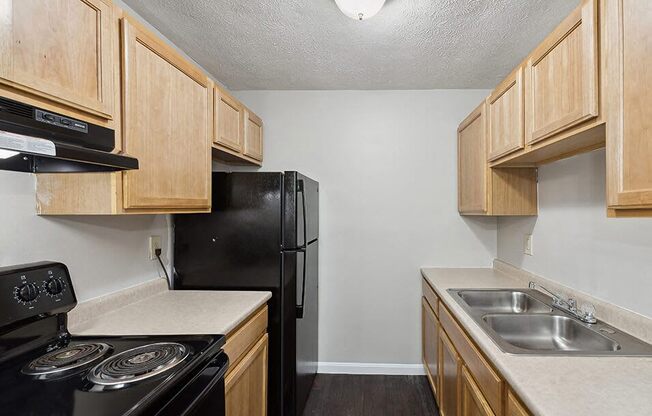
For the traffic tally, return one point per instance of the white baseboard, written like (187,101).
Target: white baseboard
(371,368)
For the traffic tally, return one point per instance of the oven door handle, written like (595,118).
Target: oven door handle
(192,394)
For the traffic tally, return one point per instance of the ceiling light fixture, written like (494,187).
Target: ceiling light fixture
(360,9)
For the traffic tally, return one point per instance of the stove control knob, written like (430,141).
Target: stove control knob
(27,292)
(54,286)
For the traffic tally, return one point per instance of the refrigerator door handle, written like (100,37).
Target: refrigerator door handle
(302,249)
(301,190)
(300,307)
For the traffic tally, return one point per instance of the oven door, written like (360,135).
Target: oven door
(203,395)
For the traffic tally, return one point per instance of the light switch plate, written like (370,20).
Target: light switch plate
(154,243)
(527,246)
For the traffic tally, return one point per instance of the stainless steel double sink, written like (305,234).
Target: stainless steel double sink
(523,321)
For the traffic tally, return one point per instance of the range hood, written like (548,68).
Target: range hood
(39,141)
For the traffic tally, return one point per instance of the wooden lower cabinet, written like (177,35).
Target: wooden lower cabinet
(246,380)
(430,344)
(246,384)
(513,406)
(450,366)
(472,402)
(464,382)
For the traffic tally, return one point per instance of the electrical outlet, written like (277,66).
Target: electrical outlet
(154,244)
(527,247)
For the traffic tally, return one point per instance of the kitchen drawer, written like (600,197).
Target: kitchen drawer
(240,340)
(487,379)
(431,297)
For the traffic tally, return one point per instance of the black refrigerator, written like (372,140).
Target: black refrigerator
(262,234)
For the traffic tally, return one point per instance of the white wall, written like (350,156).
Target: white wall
(386,165)
(104,254)
(576,244)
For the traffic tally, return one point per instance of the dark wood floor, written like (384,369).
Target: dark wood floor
(348,395)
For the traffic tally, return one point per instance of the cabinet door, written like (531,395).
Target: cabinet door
(506,124)
(246,385)
(166,125)
(60,50)
(561,77)
(228,121)
(253,146)
(472,166)
(449,377)
(430,343)
(627,34)
(472,401)
(513,407)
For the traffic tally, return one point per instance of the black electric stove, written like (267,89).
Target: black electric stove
(44,370)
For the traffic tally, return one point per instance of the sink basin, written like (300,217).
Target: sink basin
(548,333)
(523,321)
(503,301)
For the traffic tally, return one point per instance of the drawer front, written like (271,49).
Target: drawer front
(431,297)
(487,379)
(239,341)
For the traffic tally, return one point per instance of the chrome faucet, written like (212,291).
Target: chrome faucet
(569,305)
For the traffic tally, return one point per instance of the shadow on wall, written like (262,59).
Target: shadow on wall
(479,226)
(94,223)
(521,226)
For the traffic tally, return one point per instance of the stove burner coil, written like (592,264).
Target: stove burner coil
(138,364)
(66,359)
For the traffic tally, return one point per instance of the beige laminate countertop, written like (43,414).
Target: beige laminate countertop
(552,386)
(160,311)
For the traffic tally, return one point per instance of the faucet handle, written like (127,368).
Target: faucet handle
(572,303)
(589,313)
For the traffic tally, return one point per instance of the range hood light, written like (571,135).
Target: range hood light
(360,9)
(6,154)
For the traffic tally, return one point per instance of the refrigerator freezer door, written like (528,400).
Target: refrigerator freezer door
(238,245)
(301,219)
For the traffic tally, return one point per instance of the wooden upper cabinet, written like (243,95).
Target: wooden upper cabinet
(627,44)
(228,121)
(430,343)
(506,112)
(472,163)
(253,141)
(472,402)
(486,191)
(561,76)
(60,50)
(166,125)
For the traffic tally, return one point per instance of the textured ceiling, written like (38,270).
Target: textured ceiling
(310,44)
